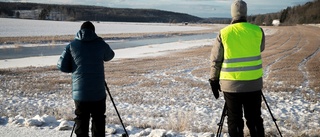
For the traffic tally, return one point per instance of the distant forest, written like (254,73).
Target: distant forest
(300,14)
(93,13)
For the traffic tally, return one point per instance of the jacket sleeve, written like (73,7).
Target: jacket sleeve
(65,61)
(216,58)
(263,41)
(109,53)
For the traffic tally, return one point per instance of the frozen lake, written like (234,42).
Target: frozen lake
(23,27)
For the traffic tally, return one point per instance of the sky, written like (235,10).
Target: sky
(200,8)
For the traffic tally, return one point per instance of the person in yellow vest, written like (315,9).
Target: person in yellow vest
(236,69)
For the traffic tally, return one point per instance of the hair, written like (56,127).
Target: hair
(87,25)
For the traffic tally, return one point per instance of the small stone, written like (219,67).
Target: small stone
(110,130)
(65,125)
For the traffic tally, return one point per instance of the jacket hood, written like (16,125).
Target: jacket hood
(86,35)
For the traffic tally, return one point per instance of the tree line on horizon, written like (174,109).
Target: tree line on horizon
(93,13)
(308,13)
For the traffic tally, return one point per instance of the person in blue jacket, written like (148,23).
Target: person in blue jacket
(84,57)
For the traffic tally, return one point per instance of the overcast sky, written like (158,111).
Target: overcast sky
(200,8)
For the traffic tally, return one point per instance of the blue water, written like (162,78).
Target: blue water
(22,52)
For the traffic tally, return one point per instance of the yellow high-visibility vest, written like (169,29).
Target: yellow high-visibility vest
(242,52)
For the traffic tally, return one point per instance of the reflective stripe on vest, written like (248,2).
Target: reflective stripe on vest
(242,55)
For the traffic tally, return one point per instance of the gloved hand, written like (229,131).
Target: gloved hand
(215,87)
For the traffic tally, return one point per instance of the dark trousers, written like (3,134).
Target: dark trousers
(85,110)
(250,104)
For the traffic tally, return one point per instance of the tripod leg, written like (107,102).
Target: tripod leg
(124,128)
(274,120)
(74,125)
(220,124)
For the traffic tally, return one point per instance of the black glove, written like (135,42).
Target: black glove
(215,87)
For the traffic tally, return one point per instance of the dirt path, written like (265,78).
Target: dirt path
(292,58)
(291,61)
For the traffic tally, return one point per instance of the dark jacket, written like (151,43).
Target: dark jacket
(216,58)
(84,57)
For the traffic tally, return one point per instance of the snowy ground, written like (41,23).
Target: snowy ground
(297,117)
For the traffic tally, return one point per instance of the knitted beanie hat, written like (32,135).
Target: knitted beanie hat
(238,9)
(87,25)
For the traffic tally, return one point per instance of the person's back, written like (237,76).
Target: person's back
(237,67)
(242,64)
(84,57)
(89,52)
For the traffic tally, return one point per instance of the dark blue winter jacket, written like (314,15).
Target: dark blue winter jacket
(84,57)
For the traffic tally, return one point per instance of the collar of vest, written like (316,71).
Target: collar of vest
(239,20)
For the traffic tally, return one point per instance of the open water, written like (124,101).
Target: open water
(21,52)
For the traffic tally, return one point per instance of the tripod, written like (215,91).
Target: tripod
(126,133)
(274,120)
(220,124)
(224,114)
(107,88)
